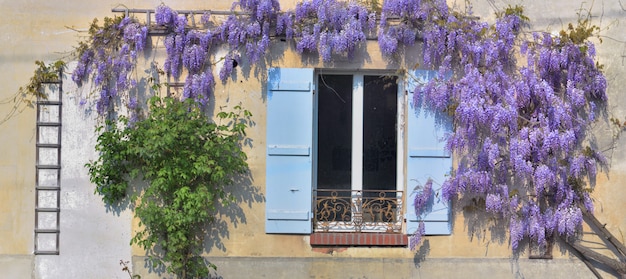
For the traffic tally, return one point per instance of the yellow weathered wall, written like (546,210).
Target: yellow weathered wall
(38,30)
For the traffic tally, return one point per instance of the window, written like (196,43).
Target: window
(356,164)
(355,139)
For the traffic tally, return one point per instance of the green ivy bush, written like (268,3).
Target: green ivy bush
(188,162)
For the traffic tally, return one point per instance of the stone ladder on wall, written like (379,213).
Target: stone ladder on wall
(48,169)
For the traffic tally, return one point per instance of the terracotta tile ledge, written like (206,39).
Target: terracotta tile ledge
(358,239)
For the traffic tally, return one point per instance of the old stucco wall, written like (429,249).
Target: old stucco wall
(94,240)
(38,30)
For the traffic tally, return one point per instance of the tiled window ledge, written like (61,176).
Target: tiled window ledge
(358,239)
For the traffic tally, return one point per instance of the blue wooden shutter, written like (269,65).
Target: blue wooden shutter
(289,154)
(427,158)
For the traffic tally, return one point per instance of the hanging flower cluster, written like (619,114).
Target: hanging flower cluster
(108,58)
(401,20)
(252,32)
(187,49)
(109,55)
(421,205)
(327,26)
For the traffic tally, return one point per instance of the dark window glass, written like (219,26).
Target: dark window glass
(334,152)
(379,132)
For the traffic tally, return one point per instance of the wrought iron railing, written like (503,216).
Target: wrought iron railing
(358,211)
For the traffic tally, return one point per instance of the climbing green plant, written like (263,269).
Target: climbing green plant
(188,164)
(27,95)
(43,73)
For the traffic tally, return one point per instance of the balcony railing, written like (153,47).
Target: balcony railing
(358,211)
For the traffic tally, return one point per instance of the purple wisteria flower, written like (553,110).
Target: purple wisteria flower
(423,198)
(517,232)
(164,15)
(328,27)
(110,62)
(132,103)
(416,238)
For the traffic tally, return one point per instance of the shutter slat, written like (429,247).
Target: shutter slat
(288,150)
(287,215)
(430,153)
(290,86)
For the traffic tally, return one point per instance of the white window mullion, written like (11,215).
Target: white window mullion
(357,133)
(357,151)
(401,155)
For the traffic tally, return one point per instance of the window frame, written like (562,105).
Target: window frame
(357,154)
(357,126)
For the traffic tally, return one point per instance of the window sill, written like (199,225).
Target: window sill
(358,239)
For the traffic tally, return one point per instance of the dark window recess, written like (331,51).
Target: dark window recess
(380,146)
(334,153)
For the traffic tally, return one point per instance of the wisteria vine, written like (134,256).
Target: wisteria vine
(327,26)
(520,132)
(520,126)
(109,57)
